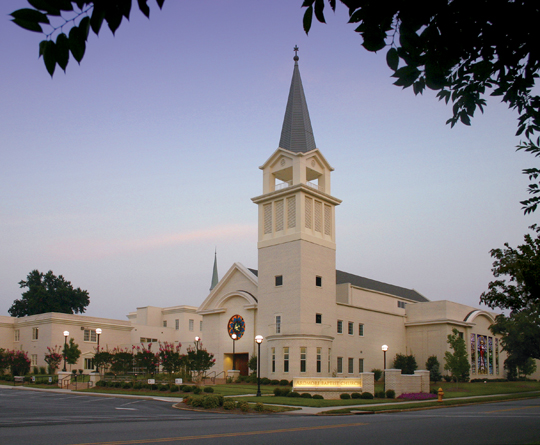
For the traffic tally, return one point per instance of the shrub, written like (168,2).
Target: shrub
(101,383)
(174,388)
(433,366)
(407,363)
(243,406)
(293,394)
(306,395)
(274,382)
(318,396)
(208,389)
(366,395)
(283,382)
(153,387)
(447,378)
(390,394)
(265,381)
(259,407)
(229,404)
(196,402)
(42,370)
(126,385)
(187,388)
(380,394)
(35,370)
(277,392)
(117,384)
(356,395)
(344,396)
(210,401)
(137,385)
(197,390)
(281,392)
(164,387)
(377,374)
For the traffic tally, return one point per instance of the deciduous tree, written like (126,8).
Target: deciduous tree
(48,293)
(517,289)
(457,362)
(72,352)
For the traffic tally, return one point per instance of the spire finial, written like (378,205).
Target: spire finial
(295,49)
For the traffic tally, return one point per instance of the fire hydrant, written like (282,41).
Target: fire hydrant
(441,394)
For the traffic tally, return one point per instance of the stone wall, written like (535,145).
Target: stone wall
(406,383)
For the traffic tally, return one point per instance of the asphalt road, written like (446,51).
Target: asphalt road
(31,417)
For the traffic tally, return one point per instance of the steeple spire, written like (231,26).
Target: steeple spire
(297,134)
(215,278)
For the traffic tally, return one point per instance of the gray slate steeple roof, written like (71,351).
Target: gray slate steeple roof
(215,278)
(297,134)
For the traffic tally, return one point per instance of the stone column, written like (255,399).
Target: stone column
(64,378)
(368,382)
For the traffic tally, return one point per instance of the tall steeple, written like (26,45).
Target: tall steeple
(215,278)
(297,134)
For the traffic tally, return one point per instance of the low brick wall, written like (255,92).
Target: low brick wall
(406,383)
(332,387)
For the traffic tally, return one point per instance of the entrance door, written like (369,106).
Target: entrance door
(242,363)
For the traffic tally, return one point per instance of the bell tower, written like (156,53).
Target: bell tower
(296,238)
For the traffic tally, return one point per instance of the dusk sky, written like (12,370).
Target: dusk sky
(126,172)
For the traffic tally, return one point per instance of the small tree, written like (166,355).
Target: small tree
(170,358)
(519,369)
(102,359)
(53,358)
(3,363)
(458,361)
(121,361)
(72,352)
(377,374)
(252,363)
(433,366)
(407,363)
(199,360)
(18,362)
(146,360)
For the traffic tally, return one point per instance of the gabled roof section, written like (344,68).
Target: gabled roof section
(378,286)
(297,134)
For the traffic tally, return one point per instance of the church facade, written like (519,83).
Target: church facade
(315,321)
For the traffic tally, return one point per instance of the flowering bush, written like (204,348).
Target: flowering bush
(145,359)
(121,361)
(417,396)
(53,357)
(17,361)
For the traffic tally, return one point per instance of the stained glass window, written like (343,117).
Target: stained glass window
(482,354)
(490,344)
(473,353)
(497,356)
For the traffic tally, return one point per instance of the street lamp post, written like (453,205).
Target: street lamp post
(197,339)
(98,332)
(66,335)
(259,340)
(234,337)
(384,348)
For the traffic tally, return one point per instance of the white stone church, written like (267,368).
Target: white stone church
(316,321)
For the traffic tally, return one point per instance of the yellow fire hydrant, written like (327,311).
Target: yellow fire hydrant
(441,394)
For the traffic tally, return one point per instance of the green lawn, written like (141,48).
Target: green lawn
(452,390)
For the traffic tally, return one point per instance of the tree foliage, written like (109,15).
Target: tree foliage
(457,362)
(517,290)
(53,358)
(464,49)
(48,293)
(76,18)
(17,361)
(407,363)
(72,352)
(433,366)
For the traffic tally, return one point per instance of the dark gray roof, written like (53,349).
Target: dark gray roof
(297,134)
(367,283)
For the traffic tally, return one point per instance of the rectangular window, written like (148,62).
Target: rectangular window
(319,359)
(17,336)
(318,281)
(164,323)
(279,280)
(340,326)
(351,328)
(273,359)
(286,359)
(360,329)
(329,360)
(303,359)
(401,304)
(88,363)
(191,322)
(33,360)
(318,318)
(278,324)
(360,365)
(90,335)
(340,365)
(177,324)
(35,333)
(351,365)
(200,325)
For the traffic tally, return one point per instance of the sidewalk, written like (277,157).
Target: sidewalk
(305,410)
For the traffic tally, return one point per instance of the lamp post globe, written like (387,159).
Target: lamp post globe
(197,339)
(259,339)
(66,335)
